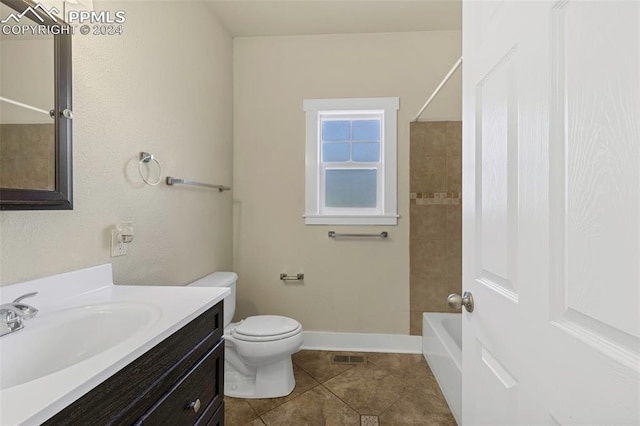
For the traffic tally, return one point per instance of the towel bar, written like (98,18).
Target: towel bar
(175,181)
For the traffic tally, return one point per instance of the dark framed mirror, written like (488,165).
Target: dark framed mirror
(35,108)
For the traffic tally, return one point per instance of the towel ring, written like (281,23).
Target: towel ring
(145,157)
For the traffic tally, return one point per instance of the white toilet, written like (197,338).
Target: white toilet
(258,349)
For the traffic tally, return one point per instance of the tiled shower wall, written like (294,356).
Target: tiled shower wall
(436,217)
(27,154)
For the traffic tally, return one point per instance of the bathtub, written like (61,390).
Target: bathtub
(442,348)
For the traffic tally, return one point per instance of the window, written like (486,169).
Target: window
(351,161)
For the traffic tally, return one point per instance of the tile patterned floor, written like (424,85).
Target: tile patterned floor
(388,390)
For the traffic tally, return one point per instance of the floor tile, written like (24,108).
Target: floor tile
(316,406)
(411,369)
(368,389)
(238,412)
(319,364)
(369,421)
(304,382)
(424,406)
(391,389)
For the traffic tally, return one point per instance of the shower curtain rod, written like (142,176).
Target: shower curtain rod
(440,86)
(20,104)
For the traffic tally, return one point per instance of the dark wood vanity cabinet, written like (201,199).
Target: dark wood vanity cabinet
(180,381)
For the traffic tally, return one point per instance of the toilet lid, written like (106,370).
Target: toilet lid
(266,327)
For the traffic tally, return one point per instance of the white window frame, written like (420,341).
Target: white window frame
(386,210)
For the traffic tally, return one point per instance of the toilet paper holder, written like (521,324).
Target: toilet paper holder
(297,277)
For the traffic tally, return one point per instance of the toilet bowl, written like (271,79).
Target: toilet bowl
(258,349)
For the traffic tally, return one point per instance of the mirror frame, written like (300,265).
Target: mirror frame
(61,198)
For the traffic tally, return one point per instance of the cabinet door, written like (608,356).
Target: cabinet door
(218,417)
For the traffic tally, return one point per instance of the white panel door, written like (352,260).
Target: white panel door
(551,212)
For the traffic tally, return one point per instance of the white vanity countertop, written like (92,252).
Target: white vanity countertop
(37,400)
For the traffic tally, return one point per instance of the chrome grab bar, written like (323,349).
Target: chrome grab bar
(333,234)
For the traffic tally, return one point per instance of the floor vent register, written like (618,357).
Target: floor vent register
(349,359)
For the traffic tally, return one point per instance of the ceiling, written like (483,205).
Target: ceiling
(248,18)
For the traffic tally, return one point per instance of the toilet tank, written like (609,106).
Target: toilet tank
(222,279)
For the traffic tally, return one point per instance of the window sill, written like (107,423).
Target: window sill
(350,220)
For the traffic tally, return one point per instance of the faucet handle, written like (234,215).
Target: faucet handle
(24,296)
(12,314)
(8,312)
(10,319)
(26,311)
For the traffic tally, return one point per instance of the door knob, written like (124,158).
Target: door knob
(456,301)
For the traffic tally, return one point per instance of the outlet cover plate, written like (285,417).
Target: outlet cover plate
(118,248)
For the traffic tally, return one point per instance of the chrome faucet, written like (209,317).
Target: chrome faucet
(12,314)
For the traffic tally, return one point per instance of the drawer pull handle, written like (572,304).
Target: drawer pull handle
(195,406)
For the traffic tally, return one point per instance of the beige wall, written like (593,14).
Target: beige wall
(165,87)
(349,286)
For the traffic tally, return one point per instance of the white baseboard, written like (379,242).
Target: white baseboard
(362,342)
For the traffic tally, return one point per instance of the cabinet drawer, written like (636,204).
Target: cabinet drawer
(202,385)
(213,416)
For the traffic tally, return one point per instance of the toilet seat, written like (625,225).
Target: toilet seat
(266,328)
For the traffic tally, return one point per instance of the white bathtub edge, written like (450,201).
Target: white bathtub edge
(362,342)
(437,351)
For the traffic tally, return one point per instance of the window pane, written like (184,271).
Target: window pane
(338,130)
(350,188)
(366,151)
(366,130)
(335,152)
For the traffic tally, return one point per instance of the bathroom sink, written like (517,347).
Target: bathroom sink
(53,341)
(86,331)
